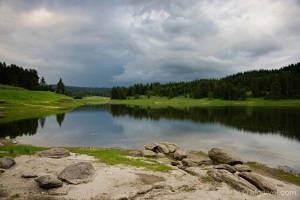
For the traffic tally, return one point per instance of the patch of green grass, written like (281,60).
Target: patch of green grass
(19,103)
(114,157)
(278,174)
(180,101)
(206,179)
(201,153)
(15,150)
(15,196)
(94,100)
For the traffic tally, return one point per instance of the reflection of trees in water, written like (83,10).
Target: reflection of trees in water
(19,128)
(60,118)
(282,121)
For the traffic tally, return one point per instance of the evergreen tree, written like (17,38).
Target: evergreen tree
(275,90)
(60,87)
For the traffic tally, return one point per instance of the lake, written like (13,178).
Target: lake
(267,135)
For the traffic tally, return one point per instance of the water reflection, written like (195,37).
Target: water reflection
(258,120)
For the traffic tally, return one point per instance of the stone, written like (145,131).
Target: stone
(135,153)
(224,156)
(180,154)
(161,148)
(175,163)
(236,182)
(6,162)
(160,155)
(54,153)
(48,181)
(2,170)
(189,162)
(225,167)
(59,191)
(81,172)
(29,174)
(261,183)
(171,146)
(242,168)
(1,145)
(148,153)
(152,146)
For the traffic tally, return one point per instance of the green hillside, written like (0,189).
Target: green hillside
(18,103)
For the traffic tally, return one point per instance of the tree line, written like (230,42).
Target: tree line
(16,76)
(283,83)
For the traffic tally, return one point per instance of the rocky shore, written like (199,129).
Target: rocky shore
(59,174)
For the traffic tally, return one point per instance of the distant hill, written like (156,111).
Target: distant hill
(75,91)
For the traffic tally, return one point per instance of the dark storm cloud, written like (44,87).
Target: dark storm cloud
(106,43)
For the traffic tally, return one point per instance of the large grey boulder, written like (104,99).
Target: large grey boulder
(171,146)
(242,168)
(54,153)
(148,153)
(161,148)
(236,182)
(261,183)
(152,146)
(180,154)
(77,173)
(6,162)
(224,156)
(48,181)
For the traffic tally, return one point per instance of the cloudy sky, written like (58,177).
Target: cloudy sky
(122,42)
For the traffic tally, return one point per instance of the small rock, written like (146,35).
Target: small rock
(48,181)
(2,170)
(1,145)
(180,154)
(135,153)
(160,155)
(224,156)
(54,153)
(77,173)
(148,153)
(161,148)
(59,191)
(152,146)
(6,162)
(171,146)
(29,174)
(261,183)
(242,168)
(226,167)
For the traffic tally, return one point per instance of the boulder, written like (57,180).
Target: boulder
(180,154)
(29,174)
(6,162)
(148,153)
(54,153)
(236,182)
(224,156)
(135,153)
(261,183)
(242,168)
(1,145)
(171,146)
(77,173)
(225,167)
(160,155)
(152,146)
(161,148)
(48,181)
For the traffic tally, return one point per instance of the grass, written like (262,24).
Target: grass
(108,156)
(156,101)
(278,174)
(18,103)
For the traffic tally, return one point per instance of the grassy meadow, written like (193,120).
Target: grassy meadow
(155,101)
(18,103)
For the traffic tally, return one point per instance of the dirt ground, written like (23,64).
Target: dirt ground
(123,182)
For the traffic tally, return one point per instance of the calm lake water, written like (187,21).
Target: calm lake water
(266,135)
